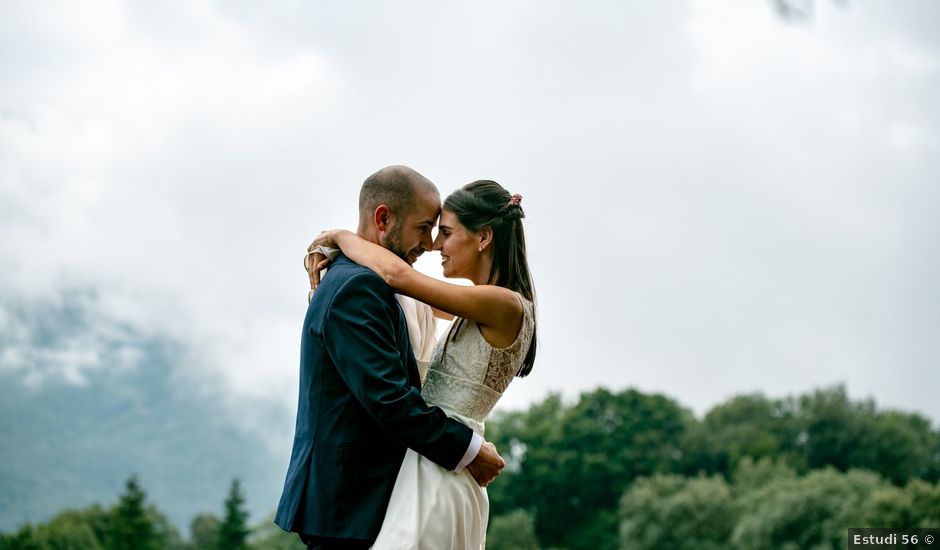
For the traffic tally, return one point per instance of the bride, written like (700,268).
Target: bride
(493,340)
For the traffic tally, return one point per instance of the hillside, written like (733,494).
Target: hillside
(65,446)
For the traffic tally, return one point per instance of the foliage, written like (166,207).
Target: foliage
(746,427)
(130,526)
(629,470)
(167,536)
(671,511)
(233,531)
(915,505)
(897,445)
(571,464)
(512,531)
(23,539)
(751,475)
(268,536)
(130,523)
(836,432)
(204,531)
(78,529)
(814,511)
(767,506)
(67,531)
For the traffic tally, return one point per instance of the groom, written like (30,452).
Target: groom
(360,402)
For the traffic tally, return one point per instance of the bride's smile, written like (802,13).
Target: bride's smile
(464,253)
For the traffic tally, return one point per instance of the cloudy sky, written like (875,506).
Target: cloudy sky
(719,199)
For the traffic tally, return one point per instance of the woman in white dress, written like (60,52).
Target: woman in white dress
(492,341)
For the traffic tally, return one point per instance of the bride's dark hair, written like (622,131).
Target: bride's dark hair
(485,203)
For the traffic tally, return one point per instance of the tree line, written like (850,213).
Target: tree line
(134,524)
(629,470)
(633,470)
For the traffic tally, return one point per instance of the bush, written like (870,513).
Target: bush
(812,512)
(669,511)
(512,531)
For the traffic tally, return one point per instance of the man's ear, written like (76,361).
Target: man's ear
(486,238)
(382,218)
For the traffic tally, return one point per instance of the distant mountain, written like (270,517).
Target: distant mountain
(64,446)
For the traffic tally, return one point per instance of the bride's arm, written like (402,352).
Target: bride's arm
(441,314)
(488,305)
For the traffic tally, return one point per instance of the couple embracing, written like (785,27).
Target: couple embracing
(379,459)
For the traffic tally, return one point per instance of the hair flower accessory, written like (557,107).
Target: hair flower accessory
(515,200)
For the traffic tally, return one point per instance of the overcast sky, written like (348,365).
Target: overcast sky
(718,200)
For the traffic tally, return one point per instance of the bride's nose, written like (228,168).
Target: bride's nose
(438,242)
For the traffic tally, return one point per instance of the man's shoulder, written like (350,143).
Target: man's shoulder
(346,276)
(347,269)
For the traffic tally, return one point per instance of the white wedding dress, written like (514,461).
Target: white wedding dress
(432,508)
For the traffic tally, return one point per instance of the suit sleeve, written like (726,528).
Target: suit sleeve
(360,338)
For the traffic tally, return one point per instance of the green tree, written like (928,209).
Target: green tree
(204,532)
(526,439)
(130,525)
(233,531)
(570,465)
(832,428)
(268,536)
(834,431)
(915,505)
(933,467)
(168,537)
(97,518)
(896,445)
(91,528)
(67,532)
(813,431)
(925,498)
(750,475)
(670,511)
(22,539)
(71,529)
(747,426)
(814,511)
(512,531)
(889,507)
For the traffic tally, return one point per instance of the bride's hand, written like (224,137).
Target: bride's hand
(315,261)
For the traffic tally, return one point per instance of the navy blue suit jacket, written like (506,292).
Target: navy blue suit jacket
(360,406)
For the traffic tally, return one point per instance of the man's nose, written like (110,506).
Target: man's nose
(427,243)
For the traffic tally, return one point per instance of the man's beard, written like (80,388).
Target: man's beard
(393,242)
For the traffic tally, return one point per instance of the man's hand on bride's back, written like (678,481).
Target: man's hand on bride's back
(486,466)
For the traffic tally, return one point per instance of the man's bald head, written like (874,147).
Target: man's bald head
(394,186)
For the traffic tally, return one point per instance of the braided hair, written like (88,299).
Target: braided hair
(485,203)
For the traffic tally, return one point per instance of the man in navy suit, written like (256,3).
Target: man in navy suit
(360,402)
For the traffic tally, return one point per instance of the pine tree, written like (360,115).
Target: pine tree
(204,532)
(233,532)
(130,526)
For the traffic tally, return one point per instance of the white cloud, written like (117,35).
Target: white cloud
(140,167)
(717,201)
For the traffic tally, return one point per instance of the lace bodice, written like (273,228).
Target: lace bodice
(467,376)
